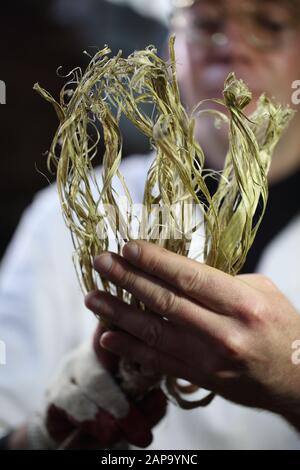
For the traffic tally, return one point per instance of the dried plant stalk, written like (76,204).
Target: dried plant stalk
(229,218)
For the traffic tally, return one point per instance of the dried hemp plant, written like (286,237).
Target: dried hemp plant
(89,109)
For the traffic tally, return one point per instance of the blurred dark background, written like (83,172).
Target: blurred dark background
(36,37)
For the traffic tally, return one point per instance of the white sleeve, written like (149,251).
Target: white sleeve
(42,315)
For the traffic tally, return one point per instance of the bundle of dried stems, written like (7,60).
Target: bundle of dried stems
(91,103)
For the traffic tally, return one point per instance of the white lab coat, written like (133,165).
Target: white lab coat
(42,316)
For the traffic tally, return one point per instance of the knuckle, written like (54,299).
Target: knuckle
(267,282)
(153,264)
(167,302)
(253,309)
(236,346)
(191,280)
(257,314)
(259,282)
(126,278)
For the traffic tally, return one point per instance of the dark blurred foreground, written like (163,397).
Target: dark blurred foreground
(36,37)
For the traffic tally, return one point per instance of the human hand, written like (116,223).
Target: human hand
(230,335)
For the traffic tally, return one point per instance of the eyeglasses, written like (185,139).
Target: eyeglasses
(263,24)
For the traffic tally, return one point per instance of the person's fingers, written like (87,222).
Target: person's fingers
(151,360)
(108,360)
(148,327)
(211,287)
(162,298)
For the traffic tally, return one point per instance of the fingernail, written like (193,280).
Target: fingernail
(103,263)
(131,251)
(105,341)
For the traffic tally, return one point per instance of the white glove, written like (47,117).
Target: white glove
(85,407)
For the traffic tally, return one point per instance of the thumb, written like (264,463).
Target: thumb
(107,359)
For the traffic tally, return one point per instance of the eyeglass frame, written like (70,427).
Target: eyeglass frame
(218,38)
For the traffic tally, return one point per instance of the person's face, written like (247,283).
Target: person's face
(258,40)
